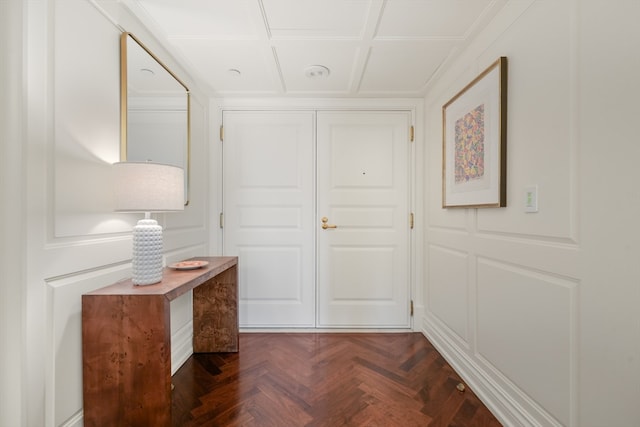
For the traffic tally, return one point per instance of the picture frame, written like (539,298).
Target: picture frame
(474,142)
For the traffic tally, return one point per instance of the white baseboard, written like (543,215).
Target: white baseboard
(510,406)
(77,420)
(181,346)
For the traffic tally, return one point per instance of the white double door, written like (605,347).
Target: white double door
(316,207)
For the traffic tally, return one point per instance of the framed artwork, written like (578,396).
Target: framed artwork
(474,147)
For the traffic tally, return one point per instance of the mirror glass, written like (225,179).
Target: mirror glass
(154,111)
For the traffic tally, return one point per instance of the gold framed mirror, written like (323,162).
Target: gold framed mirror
(155,110)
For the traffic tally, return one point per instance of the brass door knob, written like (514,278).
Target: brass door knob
(324,220)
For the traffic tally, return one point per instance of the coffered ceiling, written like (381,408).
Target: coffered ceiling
(371,48)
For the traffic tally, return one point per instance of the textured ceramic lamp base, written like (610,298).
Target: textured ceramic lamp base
(147,252)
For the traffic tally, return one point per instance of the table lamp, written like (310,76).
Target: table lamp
(147,187)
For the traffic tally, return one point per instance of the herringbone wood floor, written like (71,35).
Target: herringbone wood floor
(319,379)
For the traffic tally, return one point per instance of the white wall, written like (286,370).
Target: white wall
(538,311)
(12,247)
(62,110)
(609,304)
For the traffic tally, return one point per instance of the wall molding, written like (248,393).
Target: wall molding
(560,259)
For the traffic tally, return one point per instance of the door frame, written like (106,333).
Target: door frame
(417,184)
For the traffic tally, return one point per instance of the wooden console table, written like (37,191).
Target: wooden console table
(126,340)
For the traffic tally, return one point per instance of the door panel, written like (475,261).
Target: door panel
(363,190)
(268,215)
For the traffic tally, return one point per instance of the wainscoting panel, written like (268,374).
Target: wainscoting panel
(447,288)
(64,304)
(523,314)
(181,337)
(502,310)
(87,123)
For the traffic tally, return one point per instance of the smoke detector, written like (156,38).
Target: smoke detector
(317,72)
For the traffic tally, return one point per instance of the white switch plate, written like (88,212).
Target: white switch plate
(531,199)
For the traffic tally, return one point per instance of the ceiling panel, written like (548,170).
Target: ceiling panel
(314,18)
(430,18)
(402,67)
(372,47)
(222,19)
(214,59)
(295,56)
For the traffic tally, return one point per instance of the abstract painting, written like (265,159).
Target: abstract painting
(474,142)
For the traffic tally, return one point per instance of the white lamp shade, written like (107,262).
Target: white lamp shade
(148,187)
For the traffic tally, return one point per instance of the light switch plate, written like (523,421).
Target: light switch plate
(531,199)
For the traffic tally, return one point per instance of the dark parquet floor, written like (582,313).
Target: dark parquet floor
(320,379)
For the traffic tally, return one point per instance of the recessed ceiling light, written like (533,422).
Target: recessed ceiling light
(234,72)
(317,72)
(147,71)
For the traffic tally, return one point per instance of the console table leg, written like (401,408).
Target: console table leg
(215,314)
(126,360)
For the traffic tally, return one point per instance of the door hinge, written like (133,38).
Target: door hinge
(411,220)
(411,134)
(221,133)
(221,220)
(411,307)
